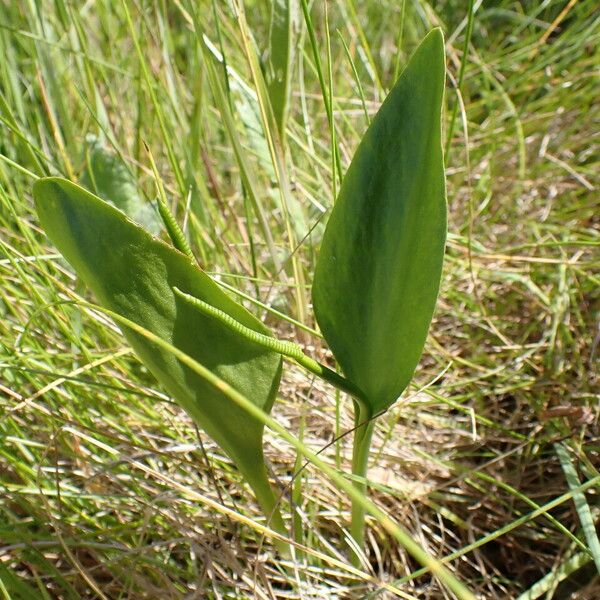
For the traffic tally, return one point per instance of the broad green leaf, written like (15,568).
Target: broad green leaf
(285,23)
(107,176)
(133,274)
(378,274)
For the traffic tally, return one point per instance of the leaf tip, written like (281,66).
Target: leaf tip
(435,40)
(435,37)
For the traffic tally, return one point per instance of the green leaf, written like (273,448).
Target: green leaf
(378,274)
(107,176)
(285,24)
(133,274)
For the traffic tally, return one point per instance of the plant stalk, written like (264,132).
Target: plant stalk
(360,461)
(267,500)
(329,375)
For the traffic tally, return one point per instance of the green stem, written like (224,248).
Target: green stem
(297,528)
(461,75)
(329,375)
(360,461)
(267,499)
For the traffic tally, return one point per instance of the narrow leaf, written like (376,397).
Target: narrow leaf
(558,573)
(285,23)
(581,504)
(133,274)
(15,587)
(378,274)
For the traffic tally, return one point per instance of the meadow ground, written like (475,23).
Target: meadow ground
(490,460)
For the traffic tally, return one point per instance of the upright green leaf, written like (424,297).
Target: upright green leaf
(378,273)
(133,274)
(285,22)
(107,176)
